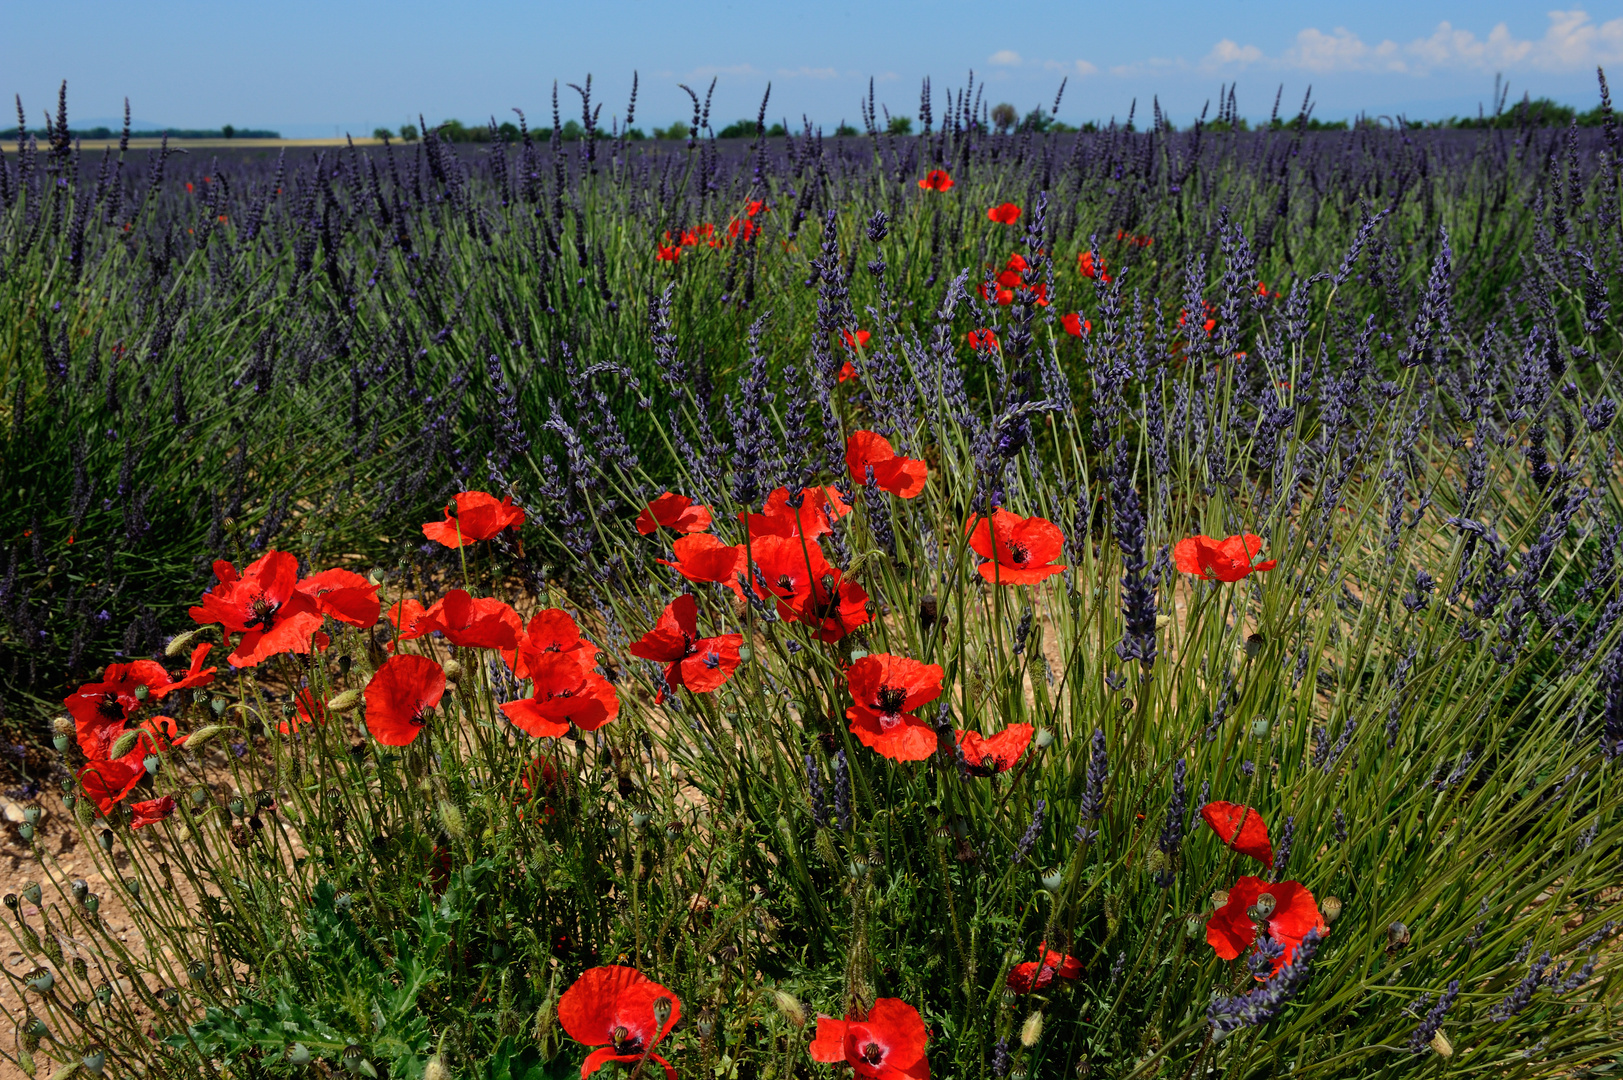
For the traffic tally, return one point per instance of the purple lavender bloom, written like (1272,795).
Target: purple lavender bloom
(1228,1014)
(1033,833)
(1093,794)
(1420,1039)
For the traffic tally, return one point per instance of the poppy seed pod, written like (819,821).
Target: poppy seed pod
(1220,898)
(929,612)
(61,742)
(1397,936)
(1032,1029)
(92,903)
(26,832)
(1259,728)
(41,979)
(68,799)
(1254,644)
(1043,738)
(298,1054)
(80,889)
(152,763)
(11,900)
(31,815)
(1192,927)
(142,692)
(662,1010)
(1330,908)
(1054,879)
(31,892)
(1265,905)
(95,1061)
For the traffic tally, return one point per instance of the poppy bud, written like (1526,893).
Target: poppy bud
(179,642)
(344,702)
(1397,936)
(453,671)
(31,892)
(1444,1048)
(80,968)
(1330,908)
(824,843)
(1265,905)
(1032,1029)
(436,1070)
(1163,621)
(203,734)
(84,812)
(123,744)
(63,725)
(344,664)
(929,612)
(1220,898)
(1156,861)
(791,1008)
(452,819)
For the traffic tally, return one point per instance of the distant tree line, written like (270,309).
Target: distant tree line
(226,132)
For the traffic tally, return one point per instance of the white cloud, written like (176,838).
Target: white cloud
(711,71)
(1005,58)
(1229,52)
(1572,42)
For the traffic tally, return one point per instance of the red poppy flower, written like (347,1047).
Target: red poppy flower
(887,1045)
(668,254)
(541,780)
(1003,296)
(151,811)
(478,516)
(264,605)
(1021,550)
(703,557)
(1035,975)
(936,180)
(483,623)
(807,588)
(622,1012)
(1076,325)
(1241,828)
(188,187)
(411,619)
(1092,266)
(1221,560)
(847,372)
(753,207)
(107,783)
(100,709)
(1134,239)
(887,689)
(982,339)
(1262,290)
(1004,214)
(307,710)
(742,230)
(700,664)
(345,595)
(1230,930)
(1000,752)
(853,341)
(552,631)
(399,696)
(902,477)
(565,693)
(673,511)
(819,508)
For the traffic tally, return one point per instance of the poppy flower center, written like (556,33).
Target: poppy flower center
(890,699)
(786,583)
(689,644)
(873,1053)
(1018,555)
(418,715)
(264,613)
(624,1043)
(109,707)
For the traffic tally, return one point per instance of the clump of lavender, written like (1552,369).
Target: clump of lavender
(1137,590)
(842,791)
(1282,850)
(1172,829)
(1033,833)
(1420,1039)
(1521,995)
(1093,794)
(819,794)
(1229,1014)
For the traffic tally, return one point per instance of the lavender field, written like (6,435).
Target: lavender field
(993,604)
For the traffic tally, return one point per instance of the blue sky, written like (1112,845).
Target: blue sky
(312,68)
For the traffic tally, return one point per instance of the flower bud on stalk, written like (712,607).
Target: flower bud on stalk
(179,643)
(123,744)
(1444,1048)
(1032,1029)
(791,1008)
(202,735)
(344,702)
(453,670)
